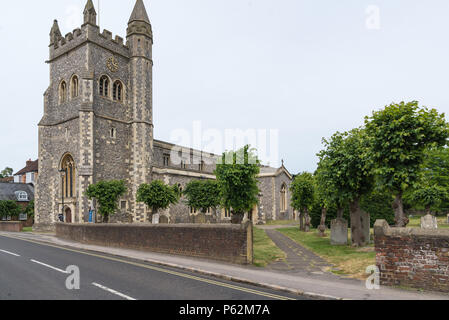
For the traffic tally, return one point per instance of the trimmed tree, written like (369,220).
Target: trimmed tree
(107,194)
(303,198)
(157,195)
(5,173)
(346,168)
(399,136)
(236,174)
(202,194)
(9,208)
(429,196)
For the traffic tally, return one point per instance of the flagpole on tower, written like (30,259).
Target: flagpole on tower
(98,6)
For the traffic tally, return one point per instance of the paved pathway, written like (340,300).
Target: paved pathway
(299,259)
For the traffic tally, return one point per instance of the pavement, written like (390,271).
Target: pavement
(300,285)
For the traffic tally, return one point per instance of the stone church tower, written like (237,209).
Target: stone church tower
(98,118)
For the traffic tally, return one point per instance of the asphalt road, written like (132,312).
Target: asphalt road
(35,271)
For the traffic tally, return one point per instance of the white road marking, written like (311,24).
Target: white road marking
(113,291)
(13,254)
(48,266)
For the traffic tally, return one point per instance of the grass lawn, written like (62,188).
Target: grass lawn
(415,222)
(265,251)
(348,261)
(281,222)
(27,229)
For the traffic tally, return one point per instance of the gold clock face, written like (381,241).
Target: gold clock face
(112,64)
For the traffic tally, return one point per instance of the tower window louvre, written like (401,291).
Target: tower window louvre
(104,86)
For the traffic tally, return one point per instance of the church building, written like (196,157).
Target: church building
(98,125)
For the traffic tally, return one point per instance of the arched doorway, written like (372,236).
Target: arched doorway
(68,215)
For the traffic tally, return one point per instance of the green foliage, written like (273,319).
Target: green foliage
(107,193)
(303,193)
(157,195)
(237,180)
(7,172)
(29,210)
(399,136)
(9,208)
(429,196)
(378,205)
(436,172)
(344,171)
(202,194)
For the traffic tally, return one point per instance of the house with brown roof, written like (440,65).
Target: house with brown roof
(28,174)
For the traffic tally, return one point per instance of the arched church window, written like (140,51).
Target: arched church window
(104,86)
(75,87)
(62,92)
(283,198)
(68,176)
(117,91)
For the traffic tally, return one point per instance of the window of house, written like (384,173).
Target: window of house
(183,164)
(166,160)
(117,91)
(63,92)
(22,196)
(104,86)
(193,210)
(75,87)
(227,213)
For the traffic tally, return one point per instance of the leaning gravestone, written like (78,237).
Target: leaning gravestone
(429,222)
(365,219)
(339,232)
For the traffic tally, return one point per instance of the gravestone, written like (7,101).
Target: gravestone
(163,219)
(339,232)
(365,219)
(429,222)
(155,218)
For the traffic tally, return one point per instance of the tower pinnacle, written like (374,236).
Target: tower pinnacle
(55,33)
(139,13)
(139,23)
(90,15)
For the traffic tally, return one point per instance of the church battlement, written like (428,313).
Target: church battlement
(79,36)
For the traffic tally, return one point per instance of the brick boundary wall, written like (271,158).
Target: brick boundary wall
(412,257)
(230,243)
(11,226)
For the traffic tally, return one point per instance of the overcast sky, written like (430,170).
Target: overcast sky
(304,67)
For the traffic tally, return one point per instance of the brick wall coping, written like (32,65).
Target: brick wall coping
(381,228)
(161,225)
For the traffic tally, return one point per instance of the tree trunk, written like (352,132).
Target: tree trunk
(106,218)
(340,212)
(358,233)
(301,220)
(307,221)
(322,227)
(428,210)
(399,216)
